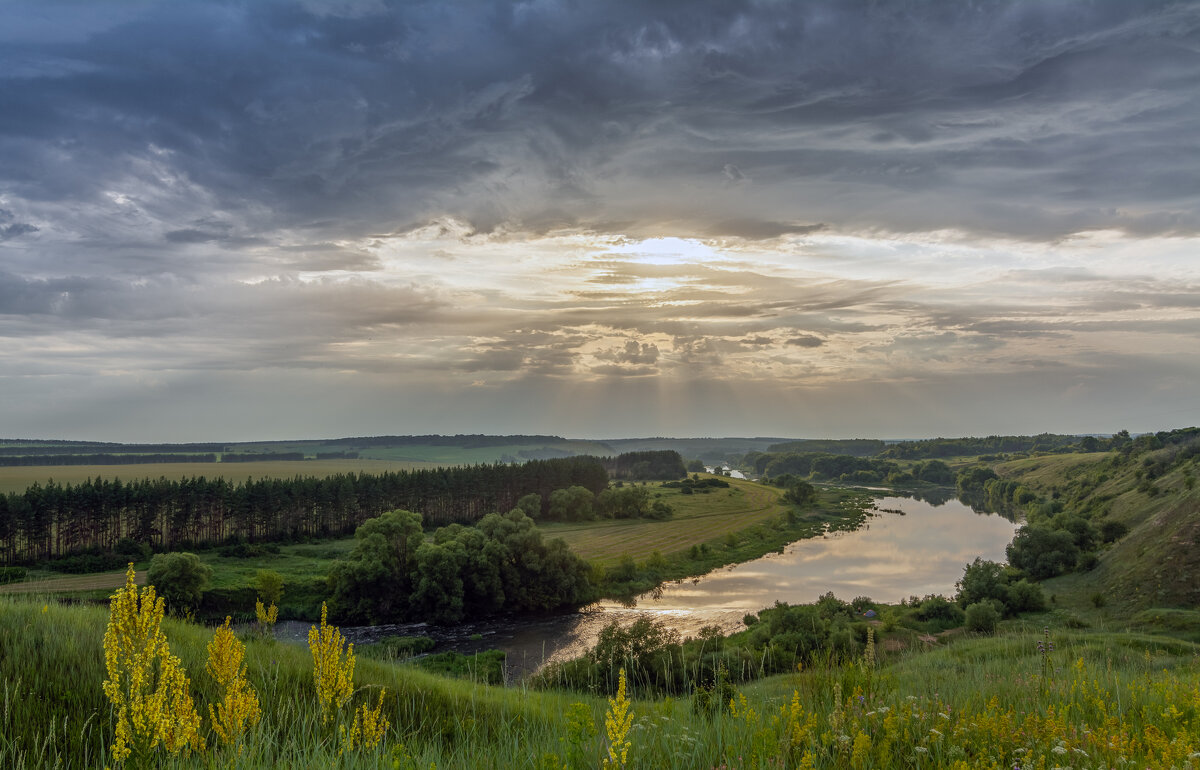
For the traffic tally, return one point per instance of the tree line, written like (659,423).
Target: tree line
(857,447)
(106,459)
(53,520)
(779,468)
(53,447)
(257,457)
(665,464)
(961,447)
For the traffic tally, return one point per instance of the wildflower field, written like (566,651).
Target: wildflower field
(1033,697)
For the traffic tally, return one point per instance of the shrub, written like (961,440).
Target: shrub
(982,617)
(800,493)
(268,584)
(938,608)
(180,579)
(1024,596)
(88,562)
(400,647)
(1112,530)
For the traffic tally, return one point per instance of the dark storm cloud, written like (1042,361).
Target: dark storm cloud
(1020,117)
(452,193)
(10,228)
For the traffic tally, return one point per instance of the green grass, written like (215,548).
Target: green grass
(296,563)
(1121,698)
(699,518)
(1157,564)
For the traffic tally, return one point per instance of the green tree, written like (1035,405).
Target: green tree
(572,504)
(1042,552)
(800,493)
(438,592)
(982,580)
(531,504)
(936,472)
(374,582)
(180,578)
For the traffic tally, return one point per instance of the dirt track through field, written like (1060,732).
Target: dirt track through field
(102,580)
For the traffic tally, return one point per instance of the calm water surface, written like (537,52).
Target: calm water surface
(891,557)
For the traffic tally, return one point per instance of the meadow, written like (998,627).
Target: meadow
(697,518)
(1031,697)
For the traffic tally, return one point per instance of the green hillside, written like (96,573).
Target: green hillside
(1028,698)
(1151,490)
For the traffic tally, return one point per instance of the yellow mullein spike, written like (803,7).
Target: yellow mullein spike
(238,708)
(266,615)
(146,684)
(333,666)
(367,729)
(617,722)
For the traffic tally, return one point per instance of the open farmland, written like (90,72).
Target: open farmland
(698,518)
(19,478)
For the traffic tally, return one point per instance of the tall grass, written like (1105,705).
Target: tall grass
(1098,700)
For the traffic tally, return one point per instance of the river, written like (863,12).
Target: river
(909,548)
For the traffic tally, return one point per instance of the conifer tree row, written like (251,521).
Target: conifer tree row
(102,515)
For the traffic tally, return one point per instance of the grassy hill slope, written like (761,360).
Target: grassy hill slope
(1102,699)
(1153,493)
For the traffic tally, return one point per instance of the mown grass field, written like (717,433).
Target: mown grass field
(698,518)
(100,581)
(20,478)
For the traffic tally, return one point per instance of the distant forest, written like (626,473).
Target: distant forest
(664,465)
(961,447)
(109,459)
(102,515)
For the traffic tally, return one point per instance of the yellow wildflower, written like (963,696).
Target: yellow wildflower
(266,615)
(367,729)
(239,707)
(146,684)
(333,666)
(617,722)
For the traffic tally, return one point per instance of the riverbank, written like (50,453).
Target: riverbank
(623,578)
(728,525)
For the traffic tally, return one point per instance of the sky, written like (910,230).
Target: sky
(823,218)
